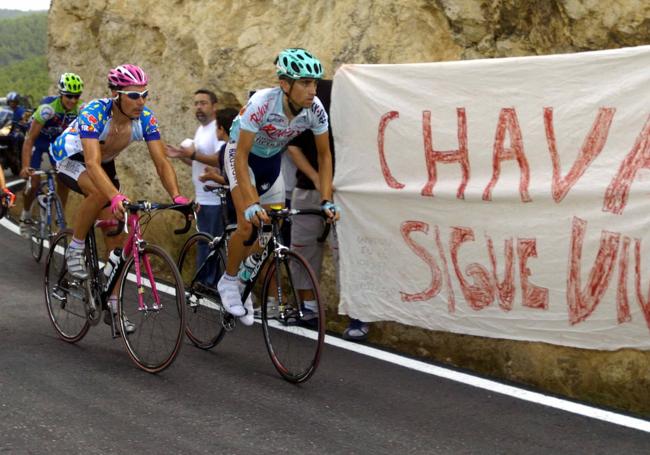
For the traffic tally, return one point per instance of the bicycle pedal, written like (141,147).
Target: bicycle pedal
(229,322)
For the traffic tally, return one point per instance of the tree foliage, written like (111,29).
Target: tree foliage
(9,13)
(23,49)
(27,77)
(23,37)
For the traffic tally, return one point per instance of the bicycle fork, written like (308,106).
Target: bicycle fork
(137,252)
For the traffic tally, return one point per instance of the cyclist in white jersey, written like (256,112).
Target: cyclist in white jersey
(270,119)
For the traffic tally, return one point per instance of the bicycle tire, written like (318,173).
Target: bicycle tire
(37,230)
(294,346)
(203,310)
(156,329)
(69,321)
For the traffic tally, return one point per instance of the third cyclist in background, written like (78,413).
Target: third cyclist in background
(49,120)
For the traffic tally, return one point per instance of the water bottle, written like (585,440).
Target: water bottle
(112,263)
(247,267)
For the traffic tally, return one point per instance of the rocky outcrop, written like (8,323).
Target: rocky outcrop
(229,46)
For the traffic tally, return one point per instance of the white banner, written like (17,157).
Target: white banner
(504,198)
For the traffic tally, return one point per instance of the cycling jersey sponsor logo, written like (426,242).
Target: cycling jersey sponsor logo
(87,128)
(258,115)
(320,113)
(276,133)
(90,117)
(153,121)
(47,112)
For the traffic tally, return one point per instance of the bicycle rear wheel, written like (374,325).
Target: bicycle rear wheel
(64,296)
(37,229)
(203,311)
(294,335)
(160,322)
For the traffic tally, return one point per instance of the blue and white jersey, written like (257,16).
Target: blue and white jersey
(94,122)
(264,116)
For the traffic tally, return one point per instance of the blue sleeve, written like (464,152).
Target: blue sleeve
(92,119)
(149,123)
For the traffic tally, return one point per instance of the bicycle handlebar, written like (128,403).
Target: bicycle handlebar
(286,213)
(41,172)
(186,209)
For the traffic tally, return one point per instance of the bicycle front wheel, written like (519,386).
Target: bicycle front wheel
(155,305)
(37,229)
(293,317)
(203,311)
(64,296)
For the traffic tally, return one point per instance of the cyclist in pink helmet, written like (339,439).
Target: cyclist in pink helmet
(86,150)
(125,75)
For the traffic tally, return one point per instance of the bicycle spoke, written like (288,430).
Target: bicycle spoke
(64,297)
(159,321)
(201,270)
(293,332)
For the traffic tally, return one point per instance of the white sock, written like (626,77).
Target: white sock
(311,305)
(77,244)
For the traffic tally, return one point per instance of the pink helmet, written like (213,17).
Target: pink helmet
(125,75)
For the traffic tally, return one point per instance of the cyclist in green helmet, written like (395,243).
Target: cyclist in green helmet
(49,120)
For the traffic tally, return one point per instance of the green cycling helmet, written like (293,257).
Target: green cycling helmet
(71,83)
(296,63)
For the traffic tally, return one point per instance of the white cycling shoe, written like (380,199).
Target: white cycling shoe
(230,297)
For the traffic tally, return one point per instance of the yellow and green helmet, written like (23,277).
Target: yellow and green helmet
(71,83)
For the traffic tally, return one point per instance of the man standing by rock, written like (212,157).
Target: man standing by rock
(205,143)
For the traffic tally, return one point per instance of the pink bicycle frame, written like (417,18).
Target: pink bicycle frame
(131,248)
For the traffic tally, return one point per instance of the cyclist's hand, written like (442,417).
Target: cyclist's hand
(255,213)
(26,172)
(12,196)
(181,200)
(332,210)
(117,207)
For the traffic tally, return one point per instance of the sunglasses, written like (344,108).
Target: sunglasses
(134,95)
(71,97)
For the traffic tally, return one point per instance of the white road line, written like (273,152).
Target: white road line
(465,378)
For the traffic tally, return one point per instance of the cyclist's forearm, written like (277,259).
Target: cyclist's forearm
(168,177)
(26,154)
(244,180)
(28,145)
(325,175)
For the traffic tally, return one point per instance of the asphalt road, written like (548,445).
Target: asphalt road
(89,398)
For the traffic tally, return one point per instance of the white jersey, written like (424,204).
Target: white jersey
(206,143)
(264,116)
